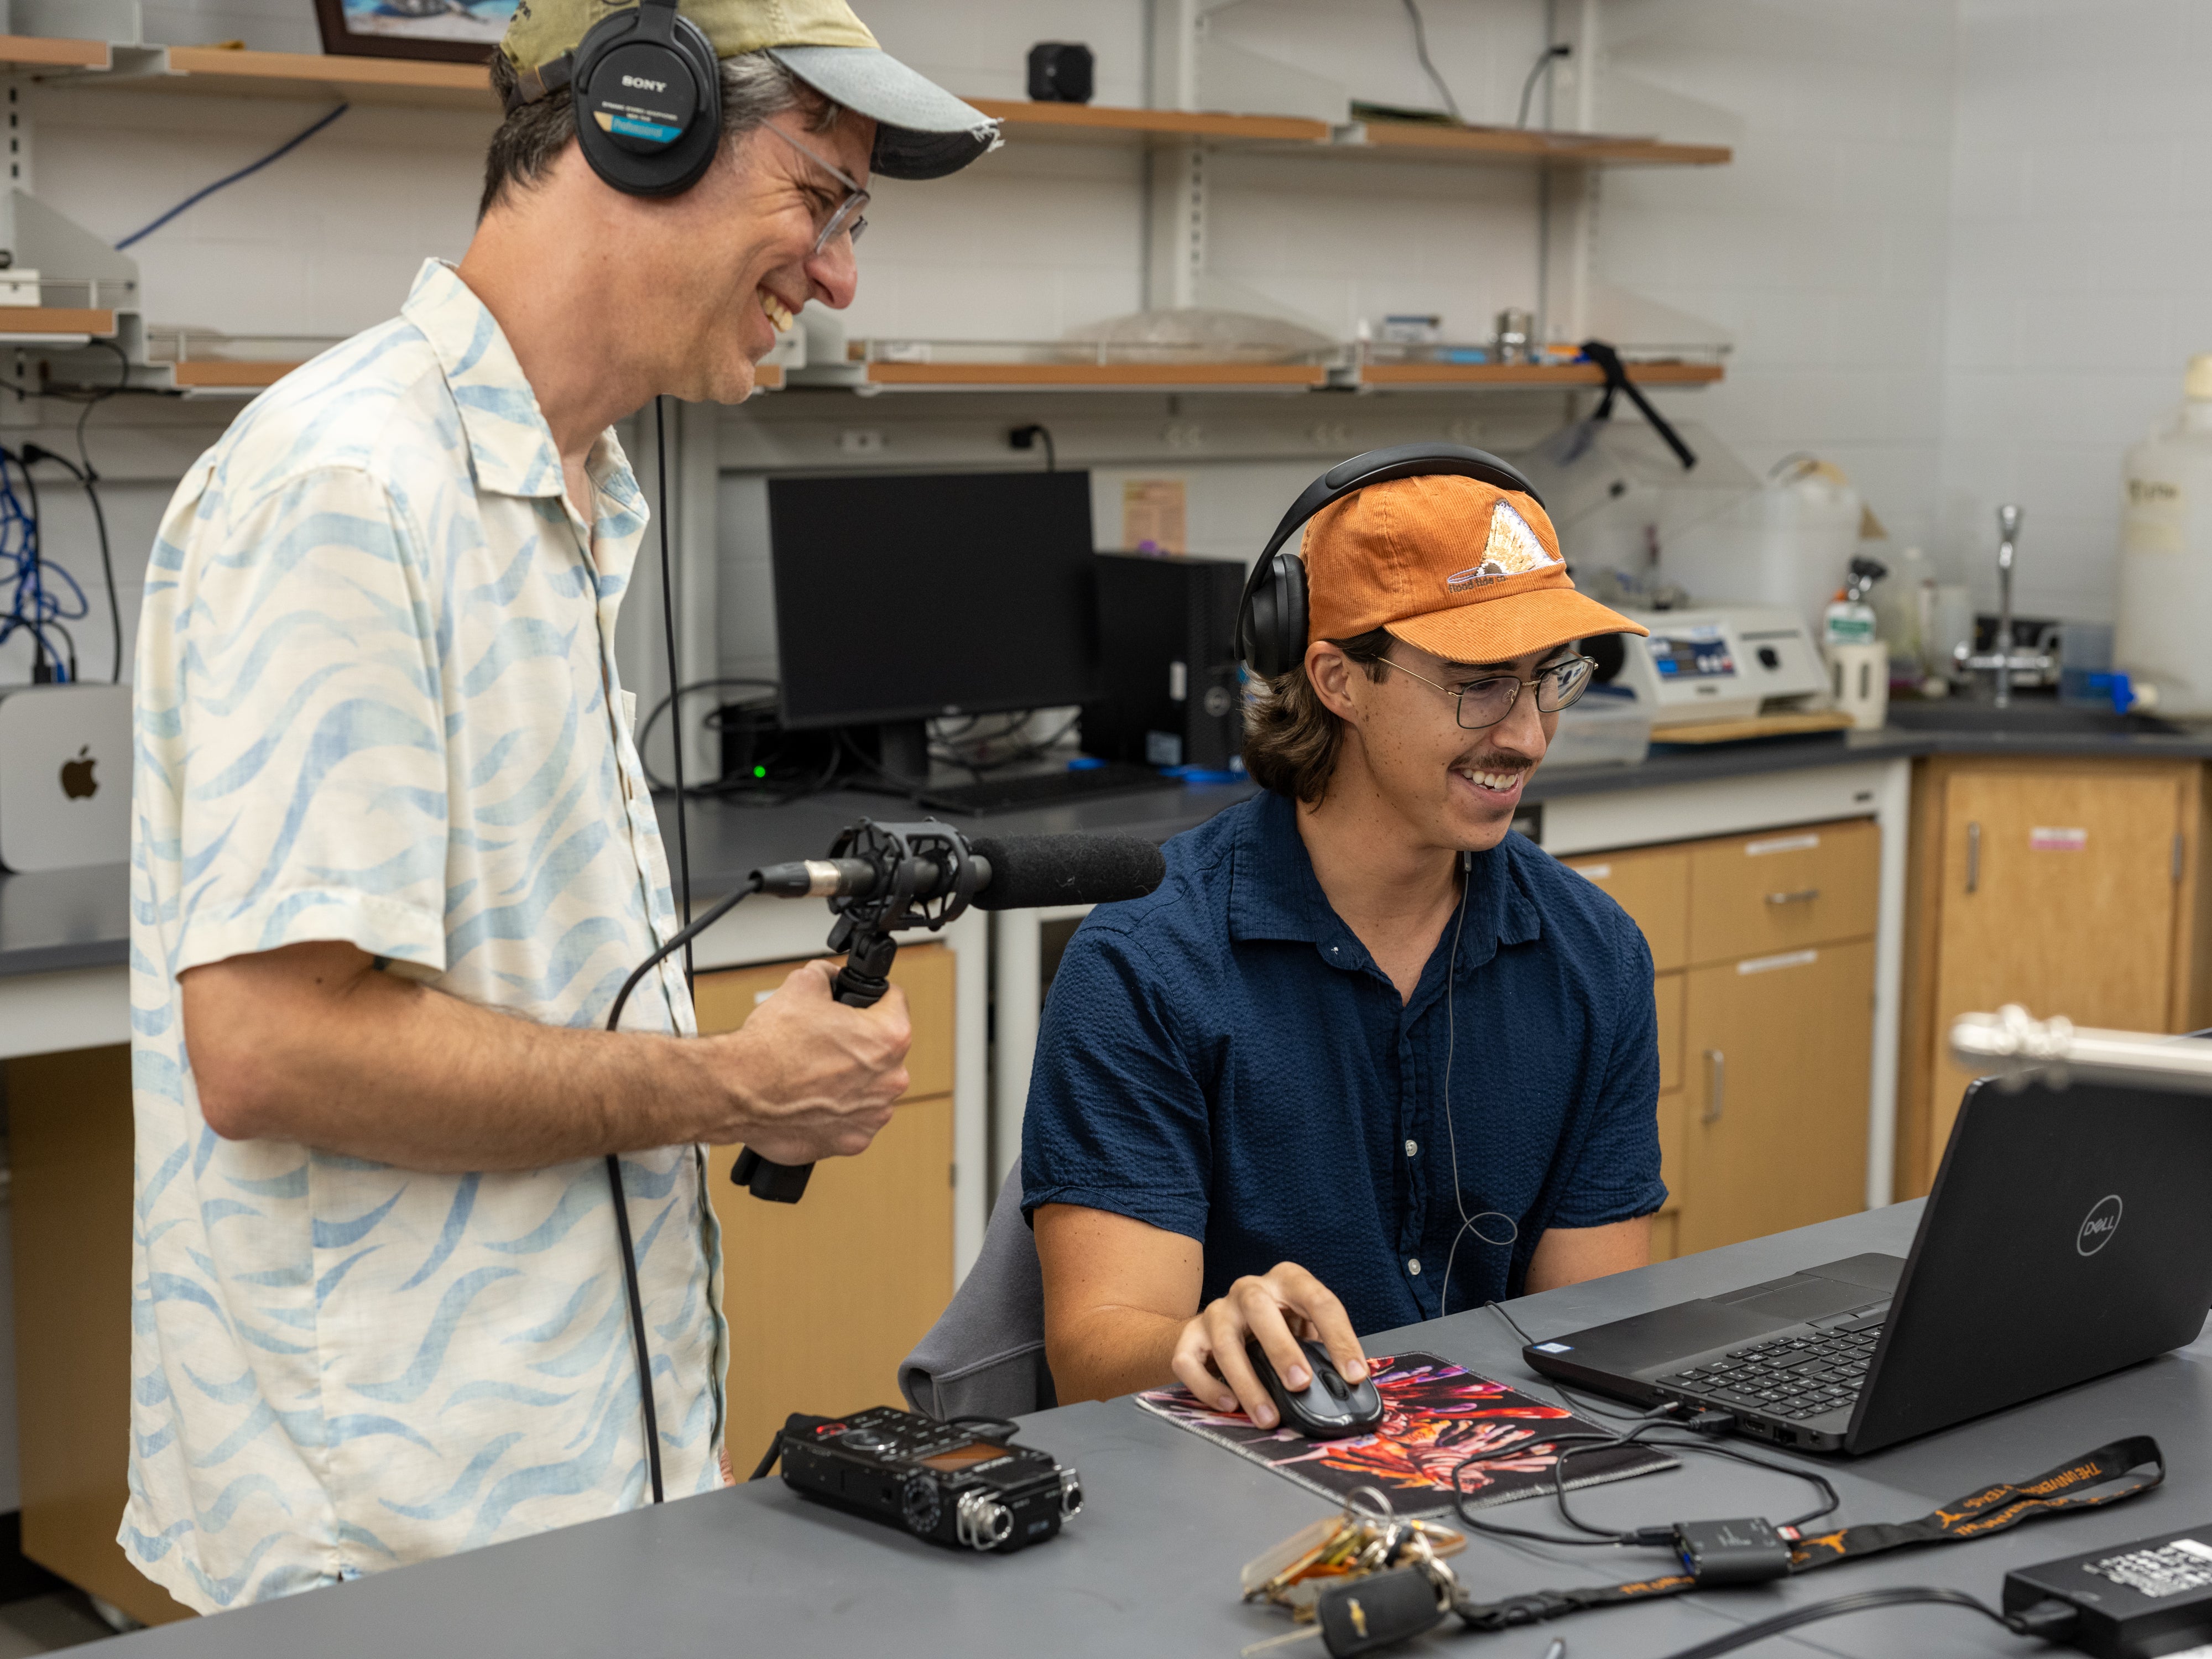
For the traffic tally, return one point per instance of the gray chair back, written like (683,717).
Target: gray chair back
(985,1356)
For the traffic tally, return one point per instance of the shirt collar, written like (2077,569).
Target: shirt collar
(510,446)
(1273,893)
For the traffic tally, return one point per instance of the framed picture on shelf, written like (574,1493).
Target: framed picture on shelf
(454,31)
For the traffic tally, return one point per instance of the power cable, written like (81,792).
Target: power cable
(1025,437)
(1421,51)
(87,478)
(1549,56)
(675,679)
(31,608)
(224,182)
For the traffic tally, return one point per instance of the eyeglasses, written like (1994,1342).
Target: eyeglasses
(1486,701)
(847,219)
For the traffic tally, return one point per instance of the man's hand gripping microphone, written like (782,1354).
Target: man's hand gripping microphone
(883,878)
(879,877)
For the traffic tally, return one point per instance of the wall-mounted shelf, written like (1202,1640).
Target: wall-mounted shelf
(213,69)
(217,374)
(36,52)
(867,377)
(1109,124)
(311,75)
(222,377)
(1413,141)
(54,324)
(1533,377)
(1171,377)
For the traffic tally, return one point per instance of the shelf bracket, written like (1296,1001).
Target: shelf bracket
(1176,229)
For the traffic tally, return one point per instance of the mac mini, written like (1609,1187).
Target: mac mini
(65,776)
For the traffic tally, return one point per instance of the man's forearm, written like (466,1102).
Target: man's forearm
(309,1043)
(1110,1352)
(381,1068)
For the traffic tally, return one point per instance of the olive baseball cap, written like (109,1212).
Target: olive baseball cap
(1453,565)
(922,131)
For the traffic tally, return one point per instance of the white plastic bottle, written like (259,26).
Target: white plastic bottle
(1787,545)
(2162,619)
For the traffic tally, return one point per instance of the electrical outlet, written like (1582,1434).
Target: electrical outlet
(1184,435)
(860,441)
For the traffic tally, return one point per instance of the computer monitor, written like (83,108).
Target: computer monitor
(906,597)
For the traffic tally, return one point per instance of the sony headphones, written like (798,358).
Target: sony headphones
(649,98)
(1271,621)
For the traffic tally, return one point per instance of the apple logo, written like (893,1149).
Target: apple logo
(77,781)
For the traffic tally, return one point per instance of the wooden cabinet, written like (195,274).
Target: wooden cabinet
(1762,946)
(1774,1135)
(1652,883)
(1755,896)
(69,1144)
(2068,887)
(826,1296)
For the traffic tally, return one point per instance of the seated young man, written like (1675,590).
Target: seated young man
(1238,1122)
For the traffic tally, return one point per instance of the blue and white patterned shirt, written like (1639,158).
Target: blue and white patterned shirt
(377,703)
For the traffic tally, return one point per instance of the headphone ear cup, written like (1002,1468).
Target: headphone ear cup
(1276,635)
(688,62)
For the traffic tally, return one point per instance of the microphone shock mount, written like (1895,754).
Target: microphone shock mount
(880,879)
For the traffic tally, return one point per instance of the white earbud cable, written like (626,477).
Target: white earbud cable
(1467,1222)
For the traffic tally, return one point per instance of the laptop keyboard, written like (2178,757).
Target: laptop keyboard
(1793,1377)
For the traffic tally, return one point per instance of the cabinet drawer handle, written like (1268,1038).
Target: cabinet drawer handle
(1716,1074)
(1802,895)
(1973,856)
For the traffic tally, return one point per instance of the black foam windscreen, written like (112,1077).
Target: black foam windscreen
(1029,872)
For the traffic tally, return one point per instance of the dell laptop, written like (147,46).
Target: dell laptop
(2068,1235)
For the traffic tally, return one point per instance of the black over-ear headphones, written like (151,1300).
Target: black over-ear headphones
(649,98)
(1271,622)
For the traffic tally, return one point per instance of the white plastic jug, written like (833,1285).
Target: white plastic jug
(1789,544)
(2162,619)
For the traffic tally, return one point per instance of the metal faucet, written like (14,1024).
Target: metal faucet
(2007,533)
(2005,659)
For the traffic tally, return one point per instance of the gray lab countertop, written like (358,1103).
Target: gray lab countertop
(1151,1566)
(56,921)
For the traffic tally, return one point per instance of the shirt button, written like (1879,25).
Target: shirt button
(1413,1149)
(1413,1267)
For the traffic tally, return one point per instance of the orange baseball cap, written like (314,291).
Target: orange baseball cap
(1457,566)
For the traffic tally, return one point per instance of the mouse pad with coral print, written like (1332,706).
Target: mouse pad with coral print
(1436,1416)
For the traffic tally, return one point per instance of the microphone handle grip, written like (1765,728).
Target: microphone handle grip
(858,985)
(778,1183)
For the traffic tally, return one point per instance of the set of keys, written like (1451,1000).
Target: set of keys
(1355,1544)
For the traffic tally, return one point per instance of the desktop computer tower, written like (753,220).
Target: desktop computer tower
(1166,643)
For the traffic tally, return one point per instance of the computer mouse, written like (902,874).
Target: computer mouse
(1327,1408)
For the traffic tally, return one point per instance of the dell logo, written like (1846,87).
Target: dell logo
(644,85)
(2099,1225)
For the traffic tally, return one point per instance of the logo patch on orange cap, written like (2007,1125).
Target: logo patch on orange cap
(1511,550)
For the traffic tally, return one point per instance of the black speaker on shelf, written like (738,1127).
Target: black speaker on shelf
(1060,72)
(1166,642)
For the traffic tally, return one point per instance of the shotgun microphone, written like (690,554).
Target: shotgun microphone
(1012,872)
(883,878)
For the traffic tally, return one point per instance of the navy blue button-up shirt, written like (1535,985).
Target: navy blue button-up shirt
(1224,1060)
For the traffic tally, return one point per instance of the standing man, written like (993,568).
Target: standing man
(1366,1057)
(394,852)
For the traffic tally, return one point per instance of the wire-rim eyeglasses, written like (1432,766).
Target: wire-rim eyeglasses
(848,217)
(1558,684)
